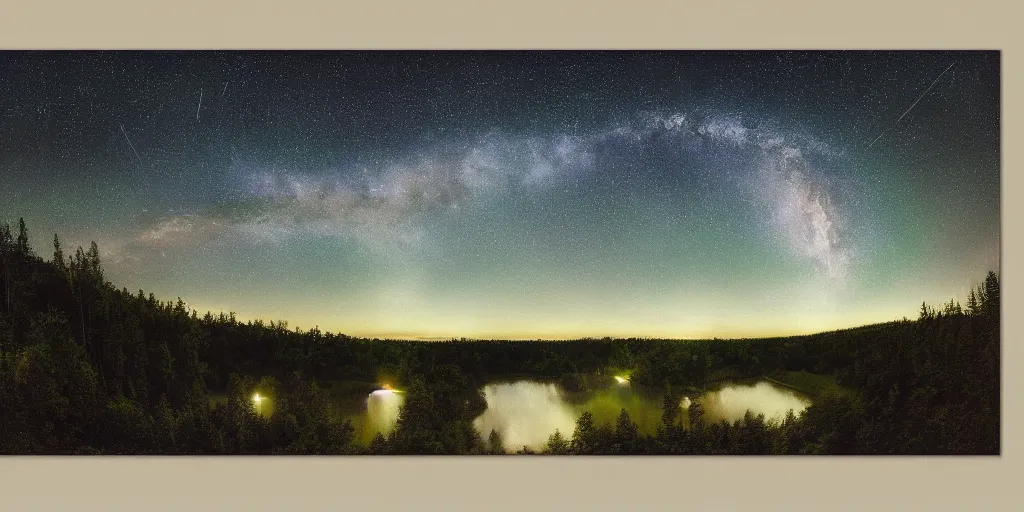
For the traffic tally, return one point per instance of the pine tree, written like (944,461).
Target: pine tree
(972,304)
(698,438)
(92,258)
(669,409)
(952,308)
(6,252)
(23,246)
(6,240)
(925,312)
(696,415)
(992,294)
(58,255)
(557,444)
(584,438)
(627,434)
(494,443)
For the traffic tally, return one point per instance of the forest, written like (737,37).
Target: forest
(87,368)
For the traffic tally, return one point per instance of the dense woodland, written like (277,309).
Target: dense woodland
(86,368)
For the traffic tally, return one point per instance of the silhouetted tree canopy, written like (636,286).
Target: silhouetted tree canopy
(87,368)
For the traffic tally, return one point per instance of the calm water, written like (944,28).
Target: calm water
(527,412)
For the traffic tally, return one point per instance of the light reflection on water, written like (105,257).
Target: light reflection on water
(731,402)
(527,412)
(381,414)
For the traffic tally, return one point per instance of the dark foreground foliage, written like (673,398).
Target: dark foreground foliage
(86,368)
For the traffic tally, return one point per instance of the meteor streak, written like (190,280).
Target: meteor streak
(130,143)
(911,106)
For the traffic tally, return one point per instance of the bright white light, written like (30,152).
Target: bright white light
(525,413)
(621,380)
(257,401)
(383,392)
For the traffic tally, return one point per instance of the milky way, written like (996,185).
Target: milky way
(379,205)
(530,194)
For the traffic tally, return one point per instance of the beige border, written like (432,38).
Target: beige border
(535,483)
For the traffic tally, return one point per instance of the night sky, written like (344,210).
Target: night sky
(516,195)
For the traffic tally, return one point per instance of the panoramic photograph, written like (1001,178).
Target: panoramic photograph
(500,253)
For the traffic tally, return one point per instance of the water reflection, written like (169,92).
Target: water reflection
(525,413)
(731,402)
(382,407)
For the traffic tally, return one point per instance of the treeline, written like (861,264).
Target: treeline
(88,368)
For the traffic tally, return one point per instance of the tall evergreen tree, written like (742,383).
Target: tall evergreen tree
(7,248)
(584,437)
(6,239)
(670,410)
(92,260)
(23,246)
(58,253)
(972,304)
(627,435)
(992,294)
(557,444)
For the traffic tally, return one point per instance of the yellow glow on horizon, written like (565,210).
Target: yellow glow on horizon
(419,325)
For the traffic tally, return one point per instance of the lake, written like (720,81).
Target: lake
(526,412)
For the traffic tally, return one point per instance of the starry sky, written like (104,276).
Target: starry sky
(516,194)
